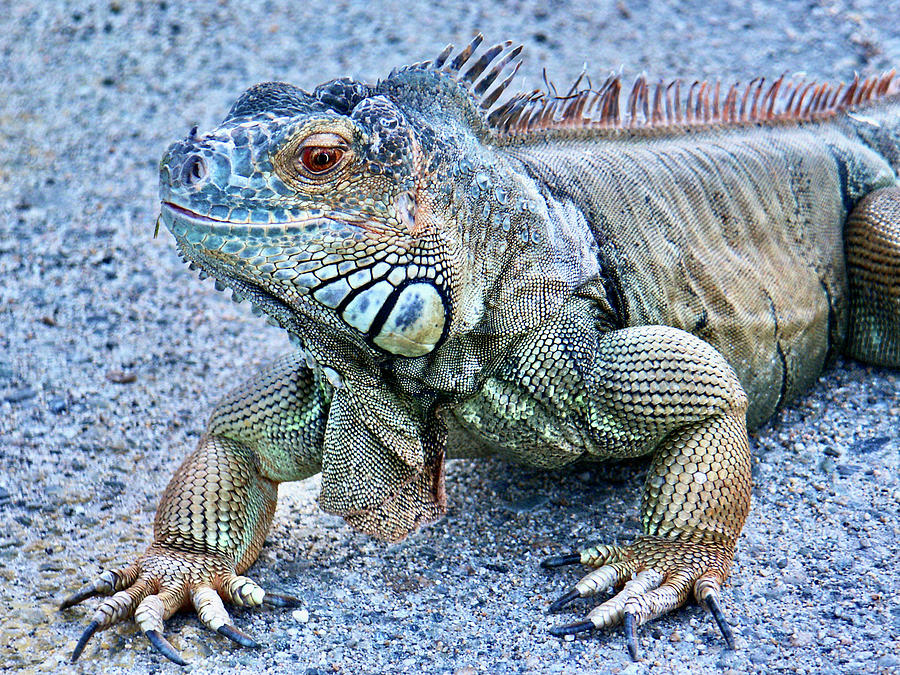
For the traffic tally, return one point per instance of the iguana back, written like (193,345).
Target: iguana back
(734,234)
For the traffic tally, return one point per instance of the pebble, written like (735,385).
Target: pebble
(301,615)
(56,404)
(801,638)
(121,377)
(888,661)
(19,394)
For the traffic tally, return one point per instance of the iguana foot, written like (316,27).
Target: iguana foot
(656,575)
(161,582)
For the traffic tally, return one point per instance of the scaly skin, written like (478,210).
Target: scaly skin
(552,281)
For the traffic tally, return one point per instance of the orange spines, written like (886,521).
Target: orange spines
(647,106)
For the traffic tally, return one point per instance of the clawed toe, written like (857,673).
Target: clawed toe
(277,600)
(595,582)
(88,633)
(106,583)
(707,592)
(164,647)
(238,636)
(652,579)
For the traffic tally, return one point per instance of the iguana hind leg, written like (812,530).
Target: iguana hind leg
(635,391)
(873,268)
(217,509)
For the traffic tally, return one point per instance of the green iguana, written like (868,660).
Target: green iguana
(551,278)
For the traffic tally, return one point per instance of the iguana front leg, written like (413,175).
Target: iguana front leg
(217,509)
(571,390)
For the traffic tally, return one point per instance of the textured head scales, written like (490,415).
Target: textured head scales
(249,204)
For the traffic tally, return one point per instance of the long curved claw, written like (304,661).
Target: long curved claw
(572,628)
(631,635)
(92,628)
(707,592)
(712,604)
(564,600)
(279,600)
(164,647)
(561,560)
(238,636)
(87,591)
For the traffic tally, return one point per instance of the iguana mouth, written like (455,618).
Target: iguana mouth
(187,214)
(193,215)
(262,300)
(342,219)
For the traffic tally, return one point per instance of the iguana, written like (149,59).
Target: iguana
(551,278)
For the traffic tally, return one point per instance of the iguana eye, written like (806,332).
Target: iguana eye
(317,160)
(320,153)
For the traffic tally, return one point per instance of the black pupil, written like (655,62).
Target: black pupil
(322,158)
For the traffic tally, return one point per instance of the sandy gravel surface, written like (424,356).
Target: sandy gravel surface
(112,355)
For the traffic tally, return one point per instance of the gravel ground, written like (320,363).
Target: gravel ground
(112,354)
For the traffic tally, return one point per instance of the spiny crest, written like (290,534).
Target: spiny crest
(481,74)
(648,105)
(665,104)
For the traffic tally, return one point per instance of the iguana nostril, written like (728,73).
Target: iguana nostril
(194,170)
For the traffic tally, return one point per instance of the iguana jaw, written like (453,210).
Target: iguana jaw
(262,301)
(266,262)
(200,239)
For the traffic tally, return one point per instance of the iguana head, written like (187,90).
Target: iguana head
(333,204)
